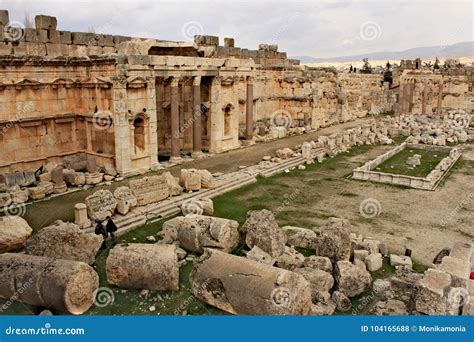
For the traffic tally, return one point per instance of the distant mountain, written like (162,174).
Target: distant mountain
(464,49)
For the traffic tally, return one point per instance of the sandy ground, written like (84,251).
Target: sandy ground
(424,221)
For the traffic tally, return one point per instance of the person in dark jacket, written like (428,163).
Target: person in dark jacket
(100,229)
(111,228)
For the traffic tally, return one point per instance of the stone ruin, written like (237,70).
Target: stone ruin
(157,85)
(269,276)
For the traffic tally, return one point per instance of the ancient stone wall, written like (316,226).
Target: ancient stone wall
(125,100)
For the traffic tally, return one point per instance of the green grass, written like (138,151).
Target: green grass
(397,163)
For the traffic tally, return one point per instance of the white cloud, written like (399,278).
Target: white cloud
(320,29)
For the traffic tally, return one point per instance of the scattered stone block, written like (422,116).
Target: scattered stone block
(143,266)
(150,189)
(301,237)
(257,254)
(125,199)
(100,205)
(245,287)
(196,232)
(191,179)
(318,262)
(14,231)
(62,285)
(334,240)
(430,298)
(261,229)
(374,262)
(65,241)
(351,280)
(400,260)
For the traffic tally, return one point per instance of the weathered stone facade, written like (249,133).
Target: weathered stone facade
(122,102)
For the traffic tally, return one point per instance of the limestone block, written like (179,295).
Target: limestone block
(430,297)
(306,150)
(290,259)
(65,241)
(390,307)
(343,303)
(285,153)
(458,269)
(94,178)
(143,266)
(47,186)
(261,229)
(400,260)
(245,287)
(14,231)
(257,254)
(351,279)
(125,199)
(44,22)
(150,189)
(59,188)
(62,285)
(18,195)
(5,199)
(80,216)
(190,179)
(374,262)
(173,185)
(361,254)
(319,281)
(334,240)
(196,232)
(301,237)
(318,262)
(207,179)
(100,205)
(37,192)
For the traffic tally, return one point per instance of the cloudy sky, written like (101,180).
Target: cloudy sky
(313,28)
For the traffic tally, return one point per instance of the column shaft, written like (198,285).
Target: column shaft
(249,111)
(175,150)
(197,113)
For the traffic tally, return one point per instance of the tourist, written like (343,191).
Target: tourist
(100,229)
(111,228)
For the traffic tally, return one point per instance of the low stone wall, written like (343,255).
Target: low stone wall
(424,183)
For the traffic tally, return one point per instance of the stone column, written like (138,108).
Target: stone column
(425,98)
(440,99)
(197,121)
(152,123)
(249,110)
(123,162)
(175,149)
(399,107)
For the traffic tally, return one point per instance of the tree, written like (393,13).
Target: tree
(27,21)
(366,68)
(436,64)
(388,66)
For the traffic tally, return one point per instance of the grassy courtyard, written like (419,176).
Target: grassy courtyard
(397,164)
